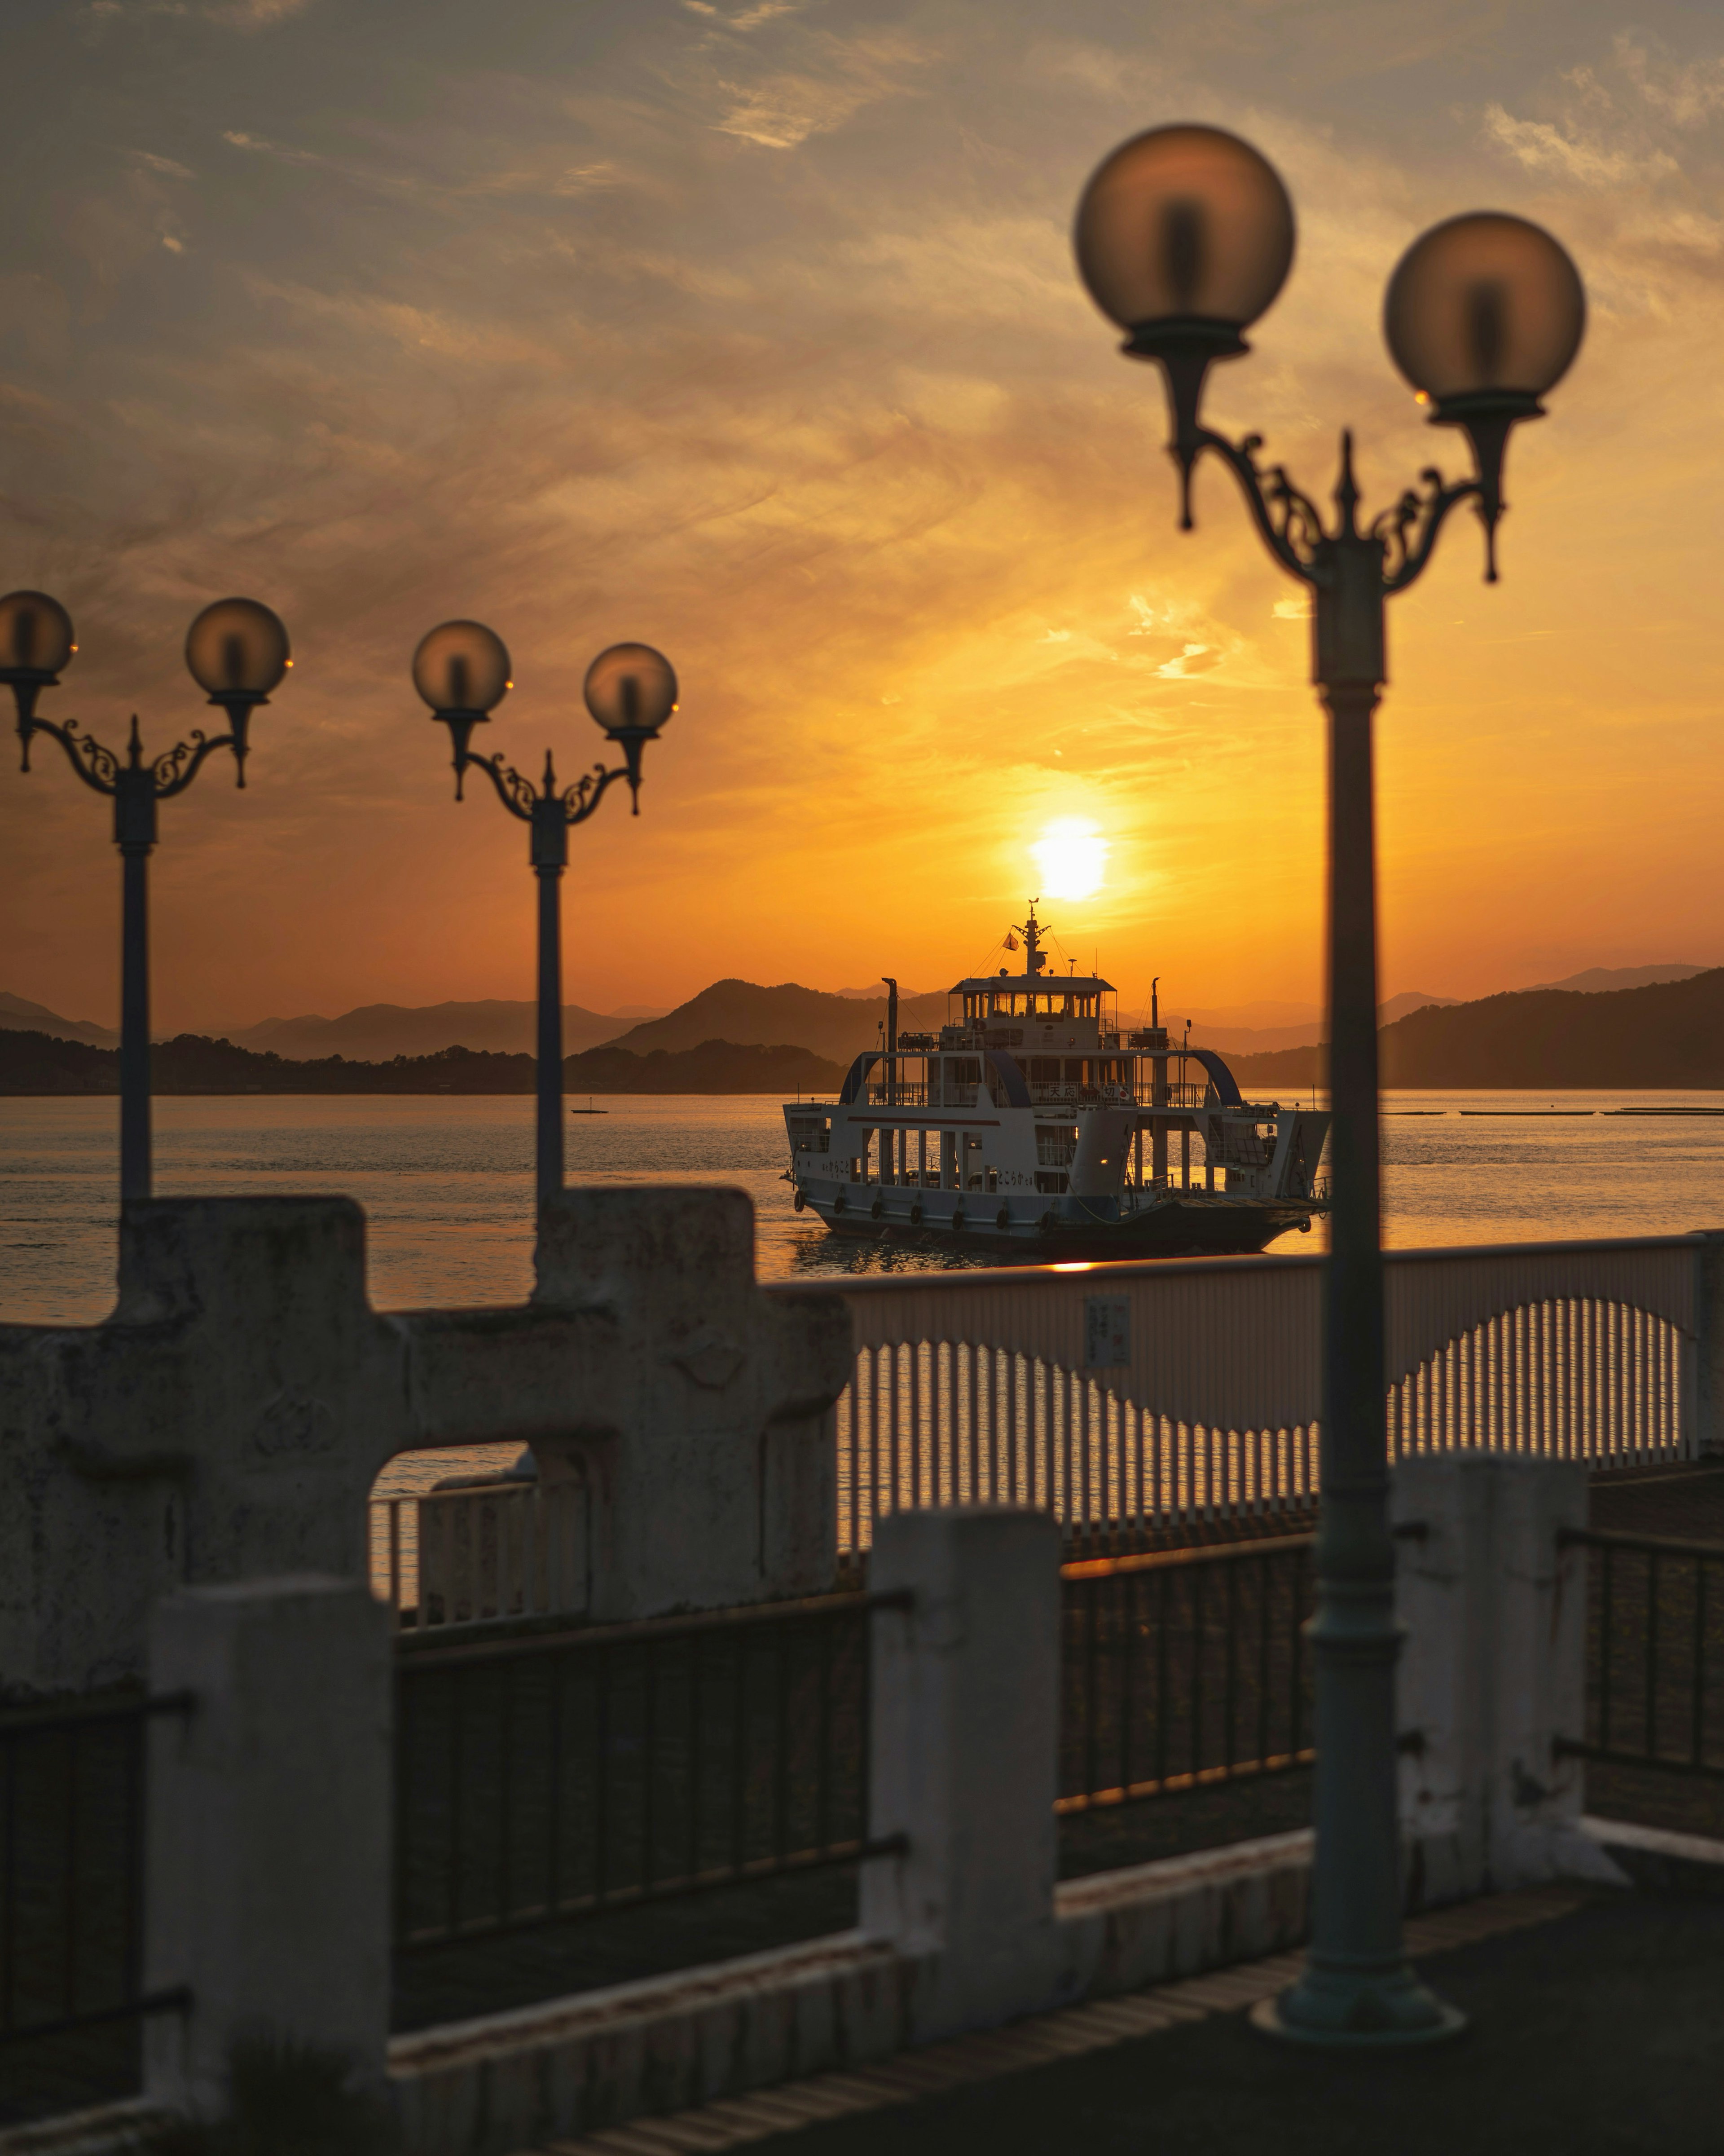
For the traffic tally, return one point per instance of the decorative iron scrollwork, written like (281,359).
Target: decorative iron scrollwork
(173,771)
(96,766)
(1286,516)
(1293,529)
(1408,531)
(516,794)
(583,796)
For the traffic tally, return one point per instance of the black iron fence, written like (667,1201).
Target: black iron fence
(1184,1668)
(72,1787)
(545,1779)
(1655,1683)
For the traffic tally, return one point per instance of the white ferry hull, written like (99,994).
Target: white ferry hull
(1180,1224)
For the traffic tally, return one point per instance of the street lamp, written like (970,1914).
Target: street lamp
(461,670)
(237,652)
(1184,236)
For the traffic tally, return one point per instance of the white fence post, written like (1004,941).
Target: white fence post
(1492,1673)
(268,1873)
(964,1739)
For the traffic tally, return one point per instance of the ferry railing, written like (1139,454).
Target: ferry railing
(1133,1398)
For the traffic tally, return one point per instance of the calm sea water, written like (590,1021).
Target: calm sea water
(447,1187)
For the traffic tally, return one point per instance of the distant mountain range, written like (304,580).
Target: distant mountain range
(376,1032)
(1241,1027)
(1221,1030)
(834,1027)
(39,1063)
(838,1026)
(16,1014)
(1666,1033)
(1605,980)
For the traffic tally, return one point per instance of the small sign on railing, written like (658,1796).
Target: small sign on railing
(1107,1331)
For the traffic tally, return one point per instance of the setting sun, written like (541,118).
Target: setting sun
(1072,856)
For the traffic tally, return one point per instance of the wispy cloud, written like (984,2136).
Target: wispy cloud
(1686,93)
(1541,145)
(228,14)
(809,83)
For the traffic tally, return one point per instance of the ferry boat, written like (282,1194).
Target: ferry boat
(1029,1122)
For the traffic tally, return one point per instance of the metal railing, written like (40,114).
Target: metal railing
(543,1780)
(487,1553)
(72,1797)
(1183,1668)
(1654,1681)
(1131,1398)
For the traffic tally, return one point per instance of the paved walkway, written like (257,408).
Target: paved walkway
(1597,2030)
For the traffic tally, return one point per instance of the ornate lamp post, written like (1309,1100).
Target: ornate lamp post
(1184,236)
(237,652)
(461,669)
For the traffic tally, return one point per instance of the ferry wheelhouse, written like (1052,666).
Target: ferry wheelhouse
(1029,1122)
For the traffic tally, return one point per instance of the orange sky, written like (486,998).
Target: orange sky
(751,330)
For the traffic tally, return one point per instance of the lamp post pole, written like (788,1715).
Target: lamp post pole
(550,856)
(461,668)
(237,651)
(1184,237)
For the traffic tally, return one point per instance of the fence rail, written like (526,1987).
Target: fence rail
(72,1799)
(1183,1668)
(486,1554)
(1129,1399)
(1655,1691)
(543,1780)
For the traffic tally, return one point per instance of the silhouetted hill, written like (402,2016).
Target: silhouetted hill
(19,1015)
(376,1032)
(838,1026)
(38,1063)
(1669,1032)
(1598,979)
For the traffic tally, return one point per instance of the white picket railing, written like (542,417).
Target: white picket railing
(1136,1397)
(486,1553)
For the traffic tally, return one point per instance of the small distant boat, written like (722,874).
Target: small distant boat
(589,1110)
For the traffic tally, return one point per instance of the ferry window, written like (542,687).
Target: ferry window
(1044,1070)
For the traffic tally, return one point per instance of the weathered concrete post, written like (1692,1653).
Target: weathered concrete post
(268,1875)
(1493,1673)
(697,1422)
(965,1739)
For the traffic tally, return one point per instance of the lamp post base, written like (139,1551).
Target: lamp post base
(1358,2012)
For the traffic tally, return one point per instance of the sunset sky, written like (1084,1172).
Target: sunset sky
(749,328)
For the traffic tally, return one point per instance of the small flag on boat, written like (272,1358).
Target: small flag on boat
(1011,942)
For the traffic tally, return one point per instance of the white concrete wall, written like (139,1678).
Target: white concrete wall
(229,1421)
